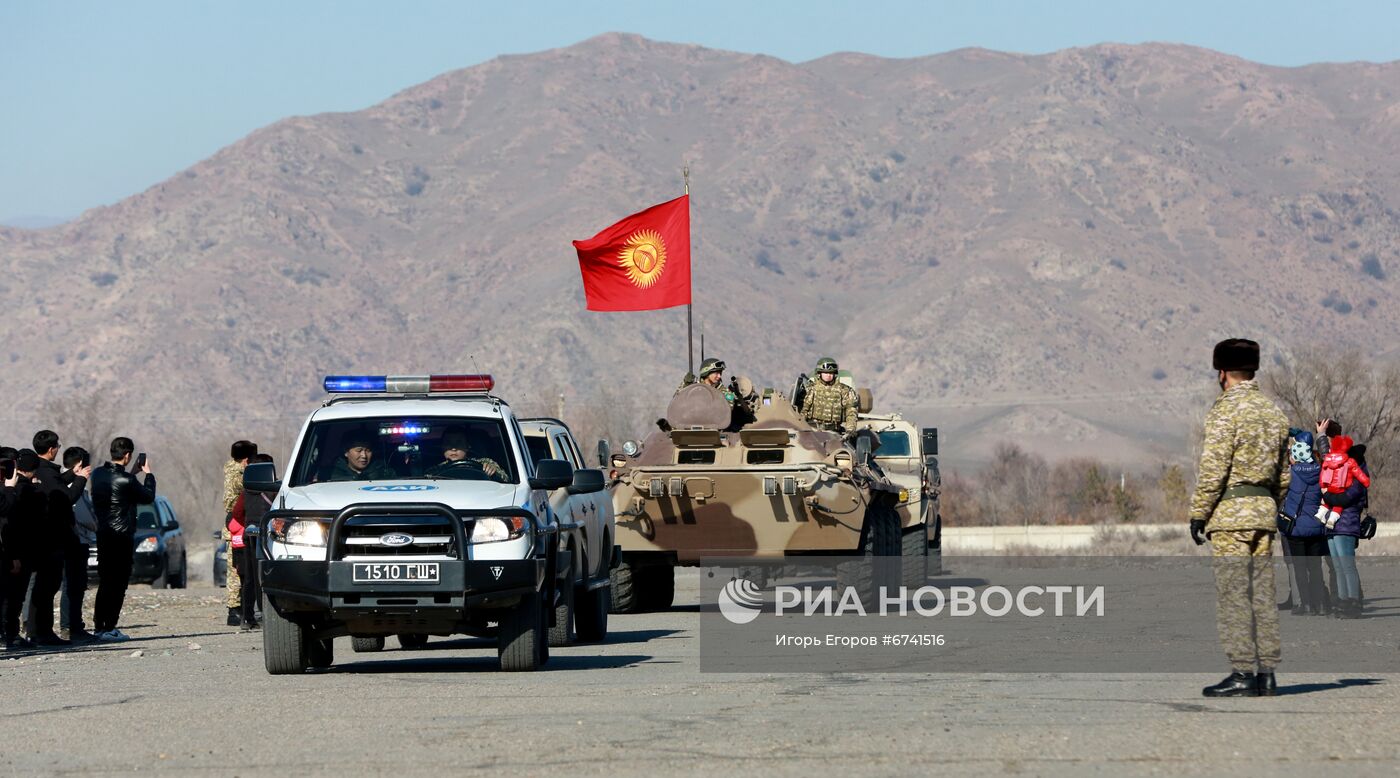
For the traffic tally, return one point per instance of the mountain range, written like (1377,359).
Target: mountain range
(1040,249)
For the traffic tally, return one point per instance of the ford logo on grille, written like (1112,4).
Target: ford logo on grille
(395,539)
(399,488)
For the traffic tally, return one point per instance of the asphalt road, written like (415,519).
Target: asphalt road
(197,701)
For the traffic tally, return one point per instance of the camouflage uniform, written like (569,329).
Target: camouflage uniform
(483,464)
(1242,479)
(233,486)
(830,406)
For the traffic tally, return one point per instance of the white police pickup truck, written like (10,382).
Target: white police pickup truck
(412,507)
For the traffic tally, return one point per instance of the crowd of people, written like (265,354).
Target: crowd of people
(53,509)
(1322,518)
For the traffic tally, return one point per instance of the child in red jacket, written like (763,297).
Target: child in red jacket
(1339,471)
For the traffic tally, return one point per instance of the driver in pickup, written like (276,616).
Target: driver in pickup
(456,453)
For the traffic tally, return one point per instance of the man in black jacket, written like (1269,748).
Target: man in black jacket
(27,511)
(56,536)
(115,495)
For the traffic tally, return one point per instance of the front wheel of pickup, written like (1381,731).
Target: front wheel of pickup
(286,644)
(521,642)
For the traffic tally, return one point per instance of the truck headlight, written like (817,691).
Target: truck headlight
(304,532)
(147,545)
(494,530)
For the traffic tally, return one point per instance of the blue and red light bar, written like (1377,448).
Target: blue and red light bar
(408,384)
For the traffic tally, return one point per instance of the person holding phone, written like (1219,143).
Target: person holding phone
(56,537)
(115,495)
(27,510)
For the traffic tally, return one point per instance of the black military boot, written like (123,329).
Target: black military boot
(1236,684)
(1264,683)
(234,619)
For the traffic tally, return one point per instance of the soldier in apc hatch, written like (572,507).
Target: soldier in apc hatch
(829,404)
(1241,482)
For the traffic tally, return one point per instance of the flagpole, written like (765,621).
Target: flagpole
(689,321)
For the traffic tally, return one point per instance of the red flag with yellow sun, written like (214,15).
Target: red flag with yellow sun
(641,263)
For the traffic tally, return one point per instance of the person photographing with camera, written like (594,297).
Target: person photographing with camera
(115,495)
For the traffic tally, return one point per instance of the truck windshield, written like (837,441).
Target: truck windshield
(893,444)
(146,517)
(391,448)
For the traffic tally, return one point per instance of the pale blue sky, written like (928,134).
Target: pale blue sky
(99,100)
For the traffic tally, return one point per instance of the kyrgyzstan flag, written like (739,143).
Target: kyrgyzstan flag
(641,263)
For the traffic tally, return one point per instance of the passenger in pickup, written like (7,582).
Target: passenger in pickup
(358,462)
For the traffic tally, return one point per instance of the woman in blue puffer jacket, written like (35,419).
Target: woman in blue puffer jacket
(1306,536)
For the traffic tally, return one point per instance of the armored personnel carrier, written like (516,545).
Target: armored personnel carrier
(750,480)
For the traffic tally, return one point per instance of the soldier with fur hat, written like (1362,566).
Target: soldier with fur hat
(1242,479)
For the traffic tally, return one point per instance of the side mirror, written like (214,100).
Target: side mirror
(551,474)
(604,453)
(930,435)
(261,477)
(587,481)
(863,449)
(218,535)
(173,524)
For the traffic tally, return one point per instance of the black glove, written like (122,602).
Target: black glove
(1198,528)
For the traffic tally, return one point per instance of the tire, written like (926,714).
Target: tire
(878,567)
(914,557)
(183,579)
(412,642)
(521,642)
(286,644)
(591,615)
(367,645)
(320,654)
(935,551)
(624,592)
(562,633)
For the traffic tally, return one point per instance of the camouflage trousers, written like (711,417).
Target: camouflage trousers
(1246,614)
(233,595)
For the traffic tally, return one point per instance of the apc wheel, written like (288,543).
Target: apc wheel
(914,557)
(562,633)
(367,645)
(412,642)
(320,653)
(521,642)
(878,566)
(624,592)
(286,645)
(591,617)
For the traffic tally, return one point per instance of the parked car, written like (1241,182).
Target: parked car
(159,557)
(220,560)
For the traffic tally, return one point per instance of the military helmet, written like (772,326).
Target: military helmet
(826,365)
(711,365)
